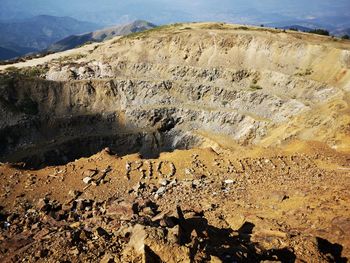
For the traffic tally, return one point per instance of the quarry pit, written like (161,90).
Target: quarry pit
(223,143)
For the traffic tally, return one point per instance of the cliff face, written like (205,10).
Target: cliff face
(184,86)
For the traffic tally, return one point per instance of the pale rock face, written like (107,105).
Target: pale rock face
(345,58)
(166,91)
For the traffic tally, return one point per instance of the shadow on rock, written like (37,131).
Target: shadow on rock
(207,241)
(333,252)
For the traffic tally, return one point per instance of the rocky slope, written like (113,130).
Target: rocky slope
(182,86)
(271,106)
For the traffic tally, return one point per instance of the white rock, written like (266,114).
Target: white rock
(87,180)
(163,182)
(161,190)
(229,181)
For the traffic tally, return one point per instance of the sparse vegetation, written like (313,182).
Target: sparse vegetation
(345,37)
(78,56)
(306,72)
(150,31)
(33,72)
(255,87)
(217,26)
(86,43)
(69,59)
(320,31)
(12,70)
(294,29)
(224,102)
(28,72)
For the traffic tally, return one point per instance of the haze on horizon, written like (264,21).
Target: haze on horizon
(330,13)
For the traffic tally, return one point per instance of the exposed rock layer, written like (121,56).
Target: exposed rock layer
(180,87)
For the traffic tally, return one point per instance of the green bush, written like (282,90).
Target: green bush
(225,102)
(345,37)
(255,87)
(320,31)
(30,72)
(306,72)
(11,70)
(294,29)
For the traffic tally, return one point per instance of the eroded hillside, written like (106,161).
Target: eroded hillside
(259,120)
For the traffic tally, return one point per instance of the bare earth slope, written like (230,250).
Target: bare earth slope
(225,143)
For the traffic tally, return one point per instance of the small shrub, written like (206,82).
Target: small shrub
(77,57)
(294,29)
(345,37)
(255,87)
(86,43)
(28,72)
(306,72)
(320,31)
(12,70)
(32,72)
(149,31)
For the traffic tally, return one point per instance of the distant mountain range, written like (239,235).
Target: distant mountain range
(8,53)
(342,32)
(100,35)
(337,26)
(335,31)
(19,37)
(51,33)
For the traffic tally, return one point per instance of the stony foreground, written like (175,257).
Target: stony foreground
(186,206)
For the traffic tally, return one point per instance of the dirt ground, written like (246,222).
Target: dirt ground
(186,206)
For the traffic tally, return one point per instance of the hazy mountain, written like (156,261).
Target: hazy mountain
(22,23)
(37,33)
(11,50)
(7,53)
(100,35)
(342,32)
(337,29)
(110,12)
